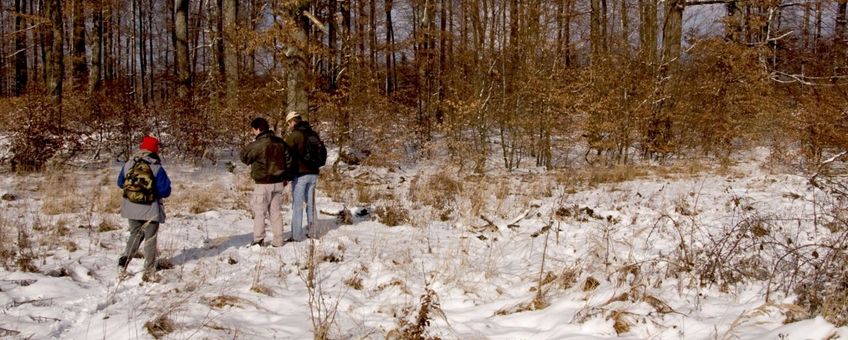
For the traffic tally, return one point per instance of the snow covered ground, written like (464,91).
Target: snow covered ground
(605,254)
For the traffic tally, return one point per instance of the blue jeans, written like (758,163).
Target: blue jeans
(303,191)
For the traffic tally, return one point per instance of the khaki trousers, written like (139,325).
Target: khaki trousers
(266,202)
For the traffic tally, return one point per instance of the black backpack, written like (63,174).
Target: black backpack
(140,183)
(314,150)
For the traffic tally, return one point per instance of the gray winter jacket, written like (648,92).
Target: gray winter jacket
(154,212)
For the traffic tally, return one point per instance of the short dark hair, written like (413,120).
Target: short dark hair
(259,123)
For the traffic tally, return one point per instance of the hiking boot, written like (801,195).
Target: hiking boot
(255,243)
(123,262)
(151,277)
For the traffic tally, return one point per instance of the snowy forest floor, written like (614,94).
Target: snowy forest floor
(421,252)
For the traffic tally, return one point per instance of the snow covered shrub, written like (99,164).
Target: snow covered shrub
(416,329)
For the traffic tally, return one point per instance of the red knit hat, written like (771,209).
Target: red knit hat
(149,143)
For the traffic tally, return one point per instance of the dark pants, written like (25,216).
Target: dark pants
(143,231)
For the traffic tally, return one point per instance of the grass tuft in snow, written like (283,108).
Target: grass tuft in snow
(160,326)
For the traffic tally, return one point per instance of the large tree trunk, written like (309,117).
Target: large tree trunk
(181,48)
(80,66)
(96,46)
(230,50)
(673,30)
(55,56)
(596,29)
(648,30)
(296,97)
(21,76)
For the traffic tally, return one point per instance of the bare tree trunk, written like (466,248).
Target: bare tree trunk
(96,47)
(80,66)
(139,54)
(151,86)
(332,44)
(21,76)
(230,50)
(818,26)
(443,63)
(840,31)
(55,38)
(648,30)
(625,27)
(805,29)
(360,27)
(109,48)
(596,29)
(372,33)
(181,48)
(296,63)
(216,20)
(733,22)
(390,49)
(672,30)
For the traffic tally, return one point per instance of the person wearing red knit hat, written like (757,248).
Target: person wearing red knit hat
(144,183)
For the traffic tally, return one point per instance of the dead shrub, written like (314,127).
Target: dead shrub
(392,214)
(438,191)
(590,284)
(354,282)
(615,174)
(261,289)
(835,305)
(222,301)
(34,135)
(568,277)
(160,326)
(416,329)
(621,324)
(107,225)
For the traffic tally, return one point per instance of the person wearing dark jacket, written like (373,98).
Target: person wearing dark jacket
(269,162)
(144,216)
(304,179)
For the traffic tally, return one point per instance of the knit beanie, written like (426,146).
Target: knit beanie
(149,143)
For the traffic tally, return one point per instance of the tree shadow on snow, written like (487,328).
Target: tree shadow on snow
(322,227)
(213,247)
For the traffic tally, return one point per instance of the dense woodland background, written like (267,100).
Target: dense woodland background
(548,83)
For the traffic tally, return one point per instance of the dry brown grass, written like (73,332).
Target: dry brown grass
(438,191)
(621,322)
(7,243)
(60,193)
(590,284)
(108,225)
(392,214)
(196,198)
(835,306)
(160,326)
(354,282)
(222,301)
